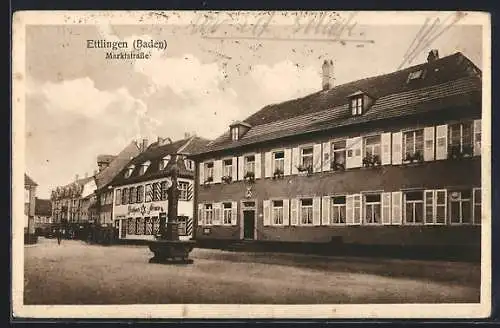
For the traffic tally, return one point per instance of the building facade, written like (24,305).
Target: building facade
(389,160)
(43,215)
(140,190)
(29,204)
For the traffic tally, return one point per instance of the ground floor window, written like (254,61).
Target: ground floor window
(227,212)
(139,224)
(477,205)
(414,207)
(277,212)
(460,206)
(372,209)
(208,214)
(182,225)
(338,215)
(306,211)
(148,226)
(131,226)
(155,224)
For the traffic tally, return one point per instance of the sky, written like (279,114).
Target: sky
(80,104)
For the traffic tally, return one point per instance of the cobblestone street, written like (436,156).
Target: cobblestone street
(77,273)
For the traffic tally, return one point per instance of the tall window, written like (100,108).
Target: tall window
(131,226)
(460,206)
(338,213)
(132,195)
(249,164)
(372,146)
(164,162)
(182,225)
(125,196)
(279,161)
(227,212)
(139,226)
(277,212)
(460,138)
(144,167)
(234,133)
(183,190)
(164,190)
(306,211)
(306,155)
(372,209)
(148,194)
(189,164)
(477,205)
(209,214)
(148,226)
(129,171)
(118,197)
(413,144)
(357,105)
(338,151)
(140,193)
(414,207)
(209,171)
(227,168)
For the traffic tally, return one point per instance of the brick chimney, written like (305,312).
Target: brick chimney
(328,75)
(144,144)
(432,56)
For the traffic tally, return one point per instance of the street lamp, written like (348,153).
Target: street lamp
(168,248)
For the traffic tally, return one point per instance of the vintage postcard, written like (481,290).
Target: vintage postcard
(232,164)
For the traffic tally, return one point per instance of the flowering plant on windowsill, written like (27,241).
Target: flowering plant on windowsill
(208,180)
(415,157)
(227,178)
(455,151)
(371,160)
(307,169)
(249,176)
(278,174)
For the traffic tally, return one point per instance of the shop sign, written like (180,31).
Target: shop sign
(144,209)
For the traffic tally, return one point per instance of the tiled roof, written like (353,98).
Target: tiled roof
(43,207)
(117,164)
(154,154)
(29,181)
(105,158)
(449,81)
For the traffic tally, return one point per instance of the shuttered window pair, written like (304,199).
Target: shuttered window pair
(230,169)
(224,213)
(276,212)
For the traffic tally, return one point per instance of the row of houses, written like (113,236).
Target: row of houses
(390,159)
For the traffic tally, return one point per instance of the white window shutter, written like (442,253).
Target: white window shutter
(397,148)
(241,167)
(444,204)
(317,167)
(326,156)
(441,142)
(386,148)
(349,203)
(358,209)
(288,161)
(429,202)
(258,166)
(268,160)
(294,212)
(396,207)
(429,143)
(234,168)
(217,214)
(217,171)
(325,210)
(201,172)
(234,213)
(317,211)
(477,137)
(295,160)
(386,208)
(286,212)
(267,212)
(354,156)
(200,215)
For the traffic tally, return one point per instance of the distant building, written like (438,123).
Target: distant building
(43,214)
(387,160)
(29,204)
(140,189)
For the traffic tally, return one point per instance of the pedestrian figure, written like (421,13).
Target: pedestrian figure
(58,233)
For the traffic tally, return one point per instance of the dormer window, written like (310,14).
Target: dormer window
(144,167)
(129,171)
(234,133)
(189,164)
(164,162)
(416,75)
(356,105)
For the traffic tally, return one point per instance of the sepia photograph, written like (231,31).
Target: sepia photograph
(234,164)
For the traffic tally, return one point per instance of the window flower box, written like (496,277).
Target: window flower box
(305,170)
(227,178)
(278,174)
(208,180)
(455,152)
(416,157)
(249,177)
(371,161)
